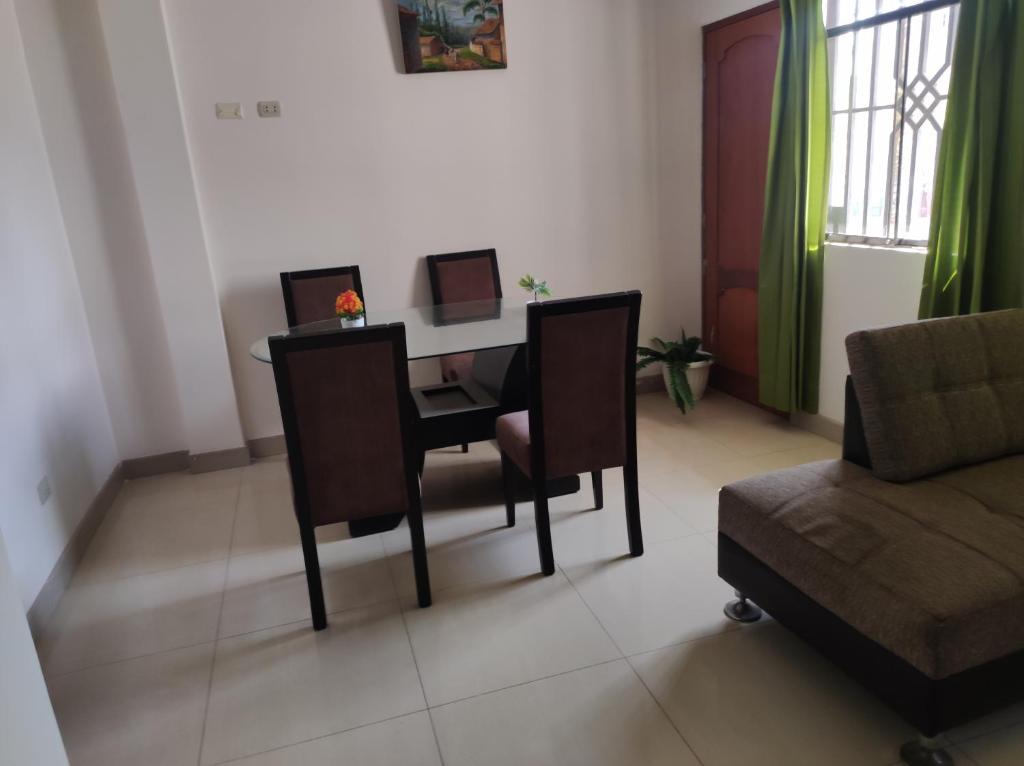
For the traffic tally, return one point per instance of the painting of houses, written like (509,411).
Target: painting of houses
(431,45)
(452,35)
(488,42)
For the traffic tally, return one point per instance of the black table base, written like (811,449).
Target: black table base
(498,386)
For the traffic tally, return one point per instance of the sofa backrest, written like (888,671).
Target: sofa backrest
(940,394)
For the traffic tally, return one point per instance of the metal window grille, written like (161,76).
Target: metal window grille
(891,63)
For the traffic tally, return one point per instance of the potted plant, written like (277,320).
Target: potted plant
(349,307)
(538,288)
(685,368)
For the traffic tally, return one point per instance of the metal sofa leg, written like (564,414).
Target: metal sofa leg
(925,752)
(742,610)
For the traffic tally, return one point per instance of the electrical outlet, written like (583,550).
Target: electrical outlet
(43,490)
(229,110)
(269,108)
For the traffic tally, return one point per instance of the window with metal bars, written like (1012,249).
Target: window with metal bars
(890,62)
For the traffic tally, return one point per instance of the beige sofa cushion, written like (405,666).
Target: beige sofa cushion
(932,570)
(940,394)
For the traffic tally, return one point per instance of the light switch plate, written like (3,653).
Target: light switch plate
(269,108)
(229,110)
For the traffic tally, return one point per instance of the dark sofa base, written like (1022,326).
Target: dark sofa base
(930,706)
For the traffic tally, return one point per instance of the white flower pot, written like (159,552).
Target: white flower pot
(357,322)
(696,375)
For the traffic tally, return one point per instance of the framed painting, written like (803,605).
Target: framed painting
(452,35)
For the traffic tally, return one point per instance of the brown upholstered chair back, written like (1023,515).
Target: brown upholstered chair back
(582,358)
(309,296)
(940,394)
(347,415)
(463,277)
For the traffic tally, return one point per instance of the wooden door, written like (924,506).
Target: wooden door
(739,79)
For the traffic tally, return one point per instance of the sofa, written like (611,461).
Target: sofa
(903,562)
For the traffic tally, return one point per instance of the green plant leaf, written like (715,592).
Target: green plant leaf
(532,285)
(470,6)
(648,356)
(680,390)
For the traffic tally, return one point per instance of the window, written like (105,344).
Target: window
(890,62)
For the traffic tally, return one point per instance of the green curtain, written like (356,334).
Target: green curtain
(976,244)
(792,246)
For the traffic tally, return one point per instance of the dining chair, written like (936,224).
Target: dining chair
(460,278)
(309,296)
(349,430)
(581,357)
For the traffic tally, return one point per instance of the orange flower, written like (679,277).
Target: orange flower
(349,305)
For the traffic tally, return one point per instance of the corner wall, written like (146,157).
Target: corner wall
(81,122)
(53,413)
(144,80)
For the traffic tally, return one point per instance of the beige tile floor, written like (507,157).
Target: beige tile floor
(184,639)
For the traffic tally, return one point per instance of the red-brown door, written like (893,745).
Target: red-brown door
(739,78)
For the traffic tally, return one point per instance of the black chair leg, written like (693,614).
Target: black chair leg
(316,587)
(419,557)
(632,483)
(598,482)
(465,448)
(508,484)
(543,518)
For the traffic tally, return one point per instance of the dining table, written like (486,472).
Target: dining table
(494,330)
(433,331)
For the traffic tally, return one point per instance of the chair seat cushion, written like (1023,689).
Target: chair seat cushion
(513,434)
(932,570)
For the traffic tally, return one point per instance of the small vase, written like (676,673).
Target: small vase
(348,322)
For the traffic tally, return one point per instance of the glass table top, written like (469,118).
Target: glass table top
(432,331)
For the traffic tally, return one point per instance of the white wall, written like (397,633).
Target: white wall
(28,728)
(137,47)
(53,415)
(552,161)
(78,110)
(864,287)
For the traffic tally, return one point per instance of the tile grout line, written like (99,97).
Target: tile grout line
(408,638)
(559,674)
(162,570)
(216,635)
(328,735)
(664,712)
(975,737)
(215,640)
(109,663)
(633,669)
(147,573)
